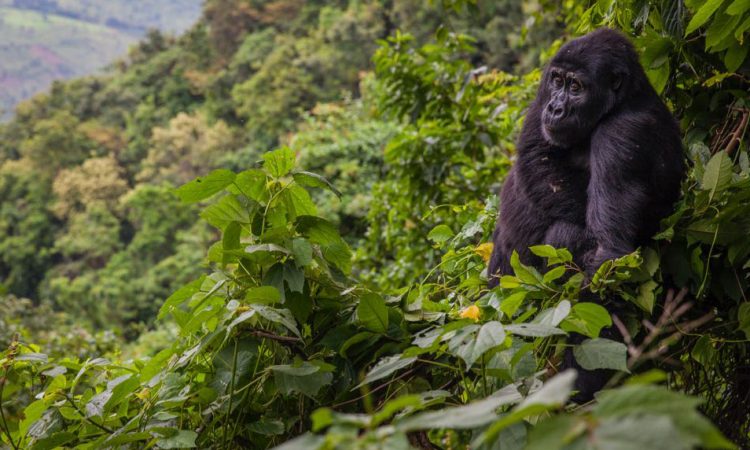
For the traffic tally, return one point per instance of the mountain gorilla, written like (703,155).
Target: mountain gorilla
(599,163)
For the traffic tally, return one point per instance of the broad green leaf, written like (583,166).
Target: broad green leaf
(659,76)
(722,26)
(587,319)
(738,7)
(602,353)
(227,210)
(385,367)
(317,230)
(298,202)
(252,183)
(554,433)
(735,55)
(526,274)
(647,431)
(305,378)
(510,304)
(647,295)
(533,330)
(279,162)
(553,274)
(373,313)
(553,394)
(263,294)
(490,335)
(56,440)
(718,174)
(181,439)
(302,251)
(553,316)
(179,297)
(702,15)
(307,441)
(230,240)
(280,316)
(315,180)
(472,415)
(203,187)
(648,399)
(545,251)
(440,234)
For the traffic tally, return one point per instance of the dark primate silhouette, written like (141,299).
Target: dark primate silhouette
(599,164)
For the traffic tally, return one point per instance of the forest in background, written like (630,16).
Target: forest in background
(334,288)
(45,40)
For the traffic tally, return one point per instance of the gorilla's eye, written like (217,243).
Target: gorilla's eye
(575,86)
(557,81)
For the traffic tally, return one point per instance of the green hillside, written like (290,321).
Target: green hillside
(42,41)
(273,229)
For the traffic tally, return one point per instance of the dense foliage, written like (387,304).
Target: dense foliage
(342,301)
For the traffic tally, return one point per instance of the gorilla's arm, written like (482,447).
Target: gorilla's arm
(618,192)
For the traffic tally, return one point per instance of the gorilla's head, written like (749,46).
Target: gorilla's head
(585,80)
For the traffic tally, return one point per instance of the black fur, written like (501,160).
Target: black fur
(599,160)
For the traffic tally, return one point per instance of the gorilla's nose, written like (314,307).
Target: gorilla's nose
(555,111)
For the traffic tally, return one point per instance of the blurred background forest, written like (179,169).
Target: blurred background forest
(47,40)
(260,300)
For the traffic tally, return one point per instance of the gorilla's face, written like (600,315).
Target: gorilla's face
(570,112)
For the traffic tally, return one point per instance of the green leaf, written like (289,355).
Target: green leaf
(181,439)
(315,180)
(317,230)
(57,440)
(372,313)
(553,316)
(440,234)
(385,367)
(721,27)
(230,240)
(510,304)
(718,174)
(227,210)
(305,378)
(735,56)
(553,394)
(554,433)
(526,274)
(263,294)
(180,296)
(659,76)
(280,316)
(533,330)
(472,415)
(587,319)
(302,251)
(648,431)
(204,187)
(647,399)
(647,295)
(298,202)
(553,274)
(489,336)
(601,353)
(738,7)
(702,15)
(545,251)
(252,183)
(279,162)
(307,441)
